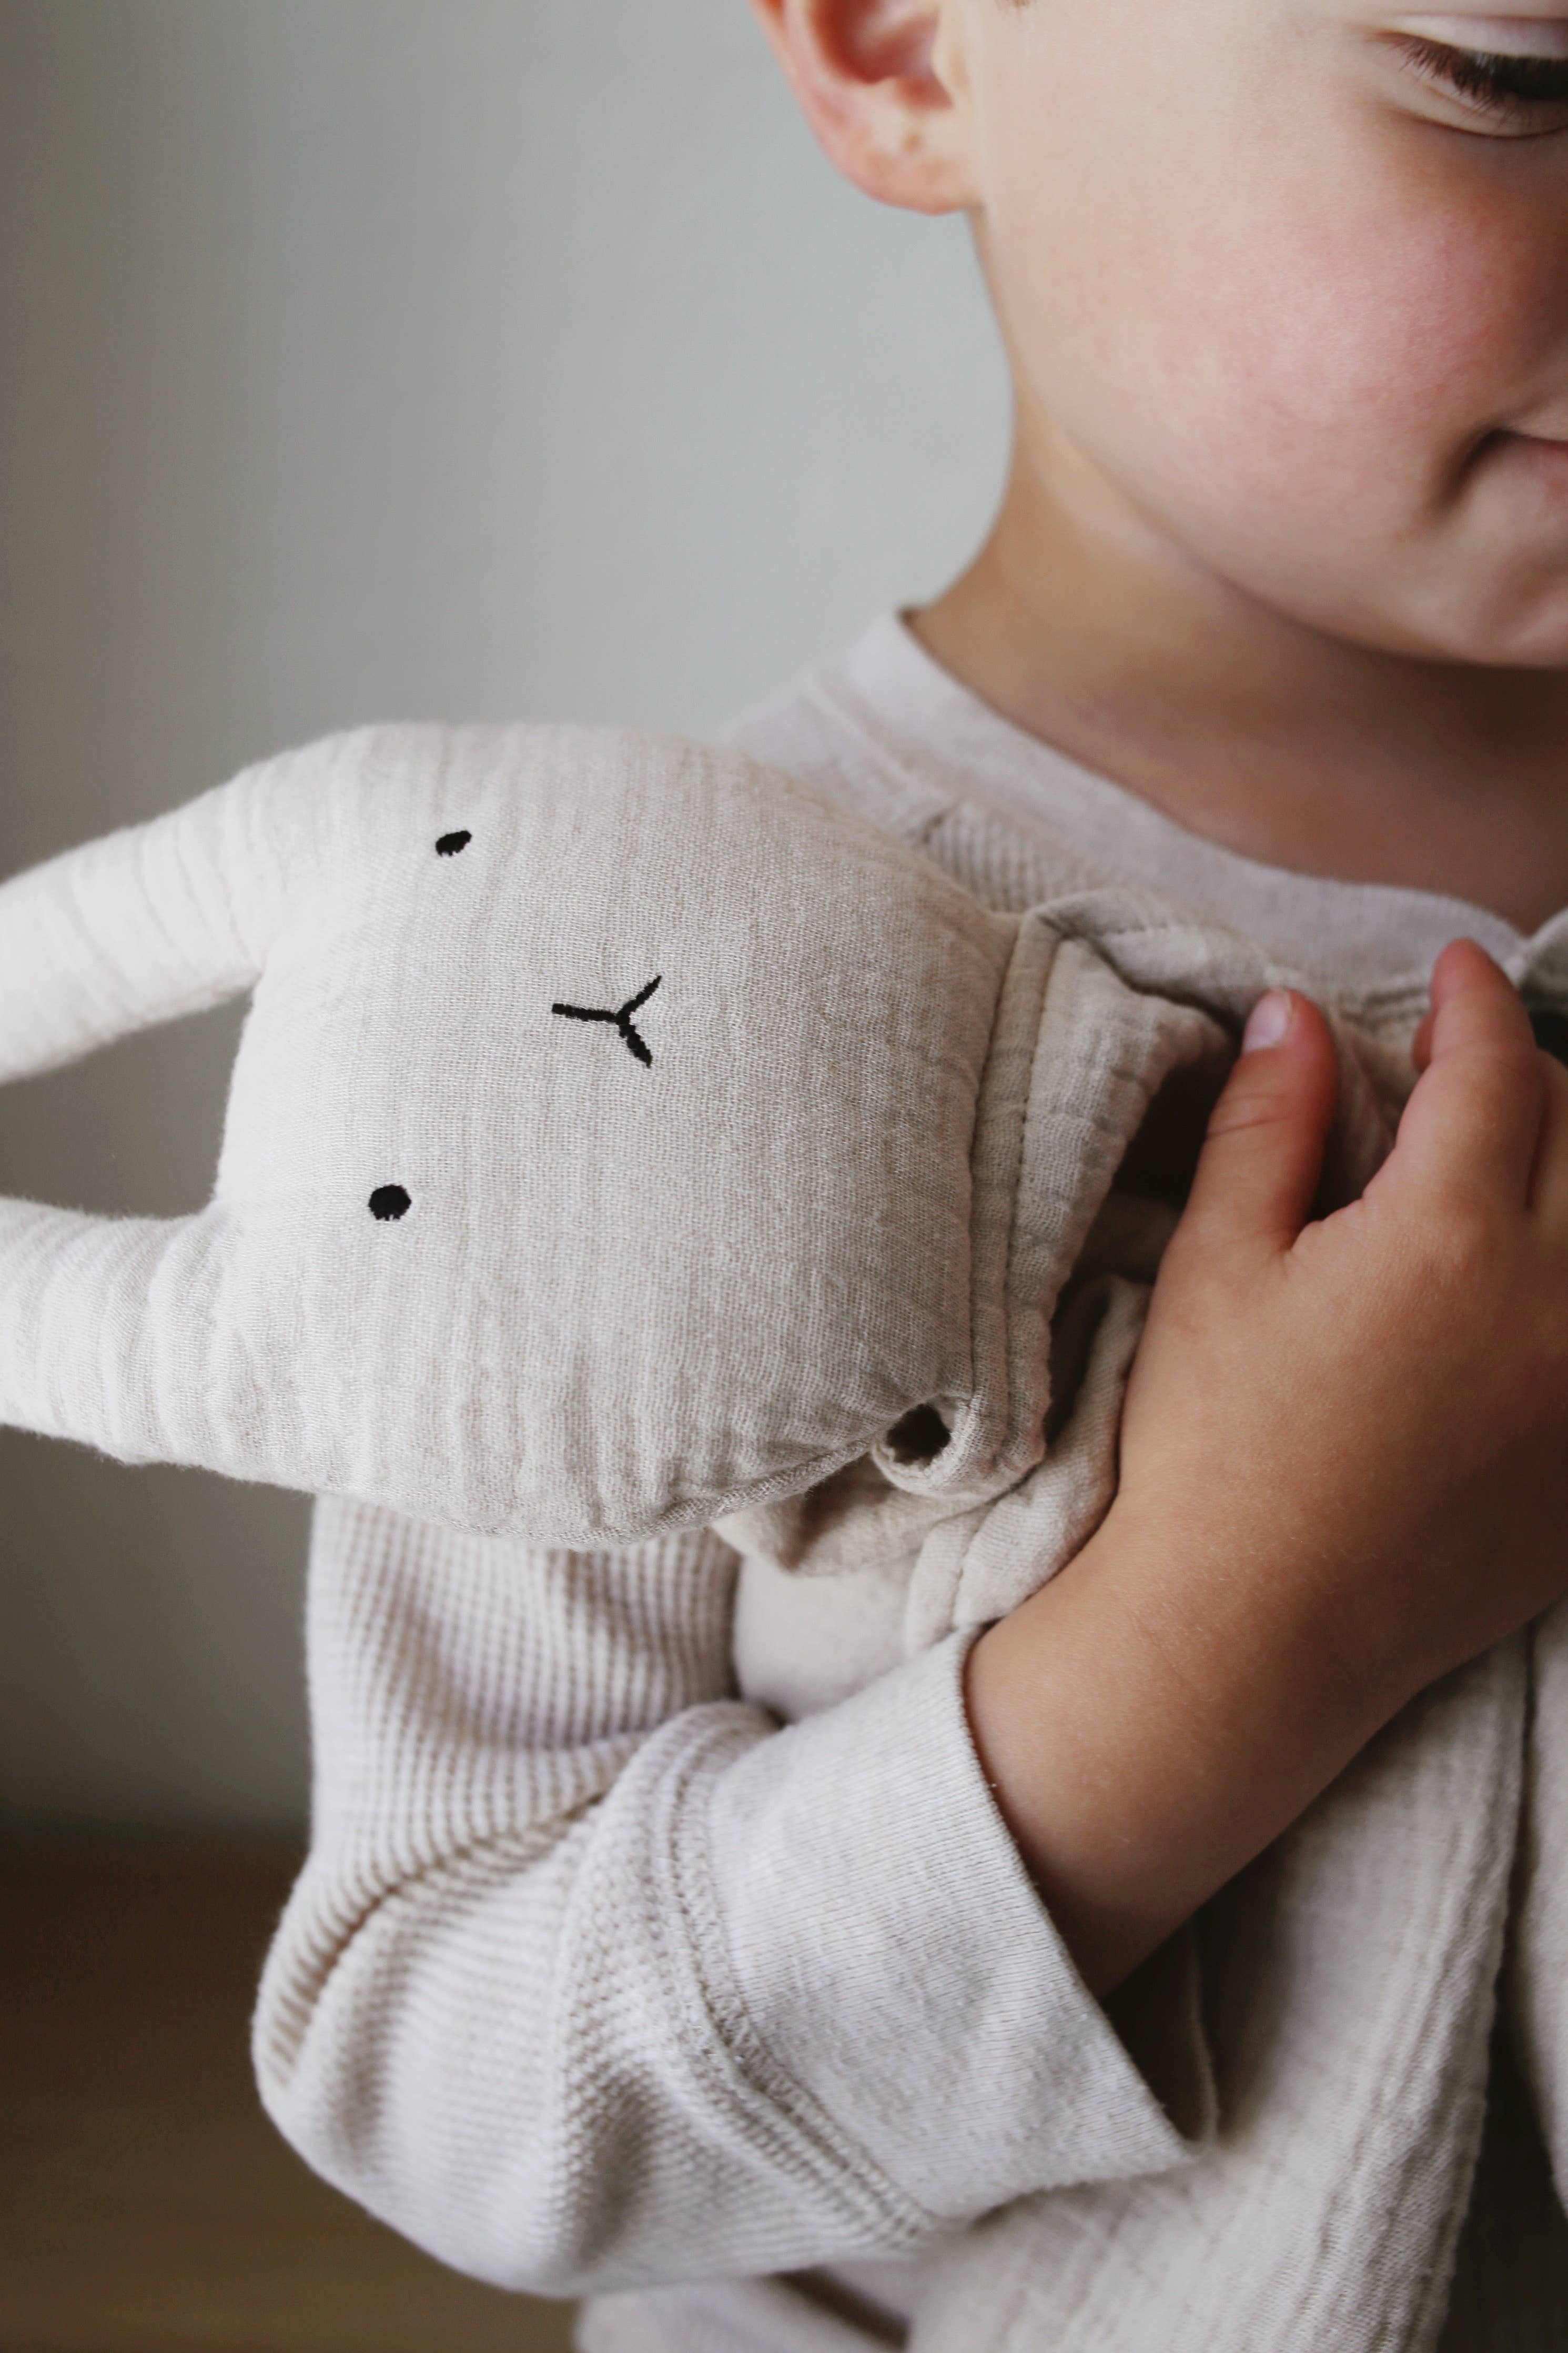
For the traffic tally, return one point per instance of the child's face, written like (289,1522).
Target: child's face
(1300,302)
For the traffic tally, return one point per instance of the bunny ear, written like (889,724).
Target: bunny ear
(136,1335)
(157,921)
(100,1336)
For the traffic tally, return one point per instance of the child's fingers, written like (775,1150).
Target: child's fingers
(1474,1120)
(1260,1164)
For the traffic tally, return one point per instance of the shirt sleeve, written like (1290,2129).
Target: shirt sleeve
(596,1977)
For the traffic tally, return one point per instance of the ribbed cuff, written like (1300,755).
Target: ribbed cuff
(888,1949)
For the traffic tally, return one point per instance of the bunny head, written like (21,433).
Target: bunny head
(623,1135)
(598,1152)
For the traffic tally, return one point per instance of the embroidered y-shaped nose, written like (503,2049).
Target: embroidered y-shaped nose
(622,1018)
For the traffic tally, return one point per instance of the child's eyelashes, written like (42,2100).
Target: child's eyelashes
(1489,77)
(1522,83)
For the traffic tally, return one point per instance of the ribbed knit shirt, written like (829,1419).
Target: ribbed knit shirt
(602,1977)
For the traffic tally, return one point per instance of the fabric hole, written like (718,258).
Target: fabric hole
(918,1437)
(389,1202)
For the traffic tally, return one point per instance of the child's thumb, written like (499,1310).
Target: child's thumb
(1263,1156)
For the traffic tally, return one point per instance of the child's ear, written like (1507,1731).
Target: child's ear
(882,83)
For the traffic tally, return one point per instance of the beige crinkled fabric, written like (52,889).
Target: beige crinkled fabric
(1119,1016)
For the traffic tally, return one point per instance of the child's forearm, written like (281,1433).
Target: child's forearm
(1149,1722)
(1344,1473)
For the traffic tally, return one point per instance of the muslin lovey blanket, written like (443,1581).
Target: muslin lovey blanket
(624,1136)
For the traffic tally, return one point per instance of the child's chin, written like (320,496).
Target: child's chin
(1496,626)
(1534,638)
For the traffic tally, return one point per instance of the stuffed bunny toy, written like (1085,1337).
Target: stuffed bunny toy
(622,1136)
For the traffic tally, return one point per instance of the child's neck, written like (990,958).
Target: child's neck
(1081,626)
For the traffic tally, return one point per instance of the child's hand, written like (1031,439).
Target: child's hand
(1376,1404)
(1344,1471)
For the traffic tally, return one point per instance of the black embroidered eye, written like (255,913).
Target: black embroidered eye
(389,1202)
(451,843)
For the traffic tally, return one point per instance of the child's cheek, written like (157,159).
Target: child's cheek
(1373,353)
(1308,336)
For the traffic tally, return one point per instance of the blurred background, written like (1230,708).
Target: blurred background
(389,359)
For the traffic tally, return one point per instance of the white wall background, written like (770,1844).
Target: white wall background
(462,358)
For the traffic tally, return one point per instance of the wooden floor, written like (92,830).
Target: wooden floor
(146,2206)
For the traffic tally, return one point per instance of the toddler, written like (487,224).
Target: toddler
(634,1955)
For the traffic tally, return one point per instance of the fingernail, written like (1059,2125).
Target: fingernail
(1270,1020)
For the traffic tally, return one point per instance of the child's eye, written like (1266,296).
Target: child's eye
(1518,89)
